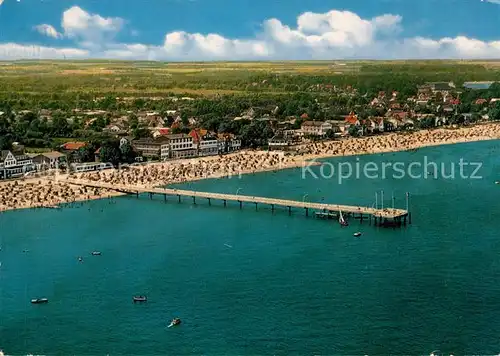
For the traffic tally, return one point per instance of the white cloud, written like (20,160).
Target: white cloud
(17,51)
(48,30)
(81,25)
(89,30)
(182,45)
(331,35)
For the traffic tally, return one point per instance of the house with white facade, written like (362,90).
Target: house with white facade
(278,142)
(228,143)
(48,160)
(208,145)
(181,146)
(14,166)
(315,128)
(153,148)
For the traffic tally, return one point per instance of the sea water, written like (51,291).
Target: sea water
(256,282)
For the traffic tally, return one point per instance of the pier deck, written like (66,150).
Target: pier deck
(388,213)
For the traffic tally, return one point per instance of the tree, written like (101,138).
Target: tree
(457,119)
(86,153)
(141,131)
(494,113)
(256,134)
(133,122)
(110,153)
(353,131)
(185,119)
(6,142)
(127,153)
(60,127)
(330,134)
(427,123)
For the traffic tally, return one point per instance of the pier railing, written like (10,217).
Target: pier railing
(360,211)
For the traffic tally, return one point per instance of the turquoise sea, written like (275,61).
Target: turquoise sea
(257,283)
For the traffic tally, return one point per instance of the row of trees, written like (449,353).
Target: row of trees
(109,150)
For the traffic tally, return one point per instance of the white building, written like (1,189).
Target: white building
(208,146)
(14,166)
(181,146)
(153,148)
(228,143)
(316,128)
(47,160)
(278,143)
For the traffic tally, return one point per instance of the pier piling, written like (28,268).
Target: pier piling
(381,217)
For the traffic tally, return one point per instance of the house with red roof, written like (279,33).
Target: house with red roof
(162,131)
(352,119)
(73,146)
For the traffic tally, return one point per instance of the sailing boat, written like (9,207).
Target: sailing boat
(342,221)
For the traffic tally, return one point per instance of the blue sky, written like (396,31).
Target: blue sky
(249,29)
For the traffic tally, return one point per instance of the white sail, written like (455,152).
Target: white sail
(341,218)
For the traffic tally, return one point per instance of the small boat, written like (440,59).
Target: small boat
(174,322)
(96,253)
(497,182)
(140,298)
(80,259)
(39,301)
(357,234)
(342,221)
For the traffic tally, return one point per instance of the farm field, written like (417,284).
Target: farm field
(220,78)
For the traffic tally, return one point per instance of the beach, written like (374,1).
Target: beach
(257,281)
(54,190)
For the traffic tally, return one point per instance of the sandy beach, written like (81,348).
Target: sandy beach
(52,191)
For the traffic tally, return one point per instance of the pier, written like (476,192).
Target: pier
(381,217)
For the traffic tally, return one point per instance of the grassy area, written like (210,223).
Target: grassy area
(36,150)
(212,78)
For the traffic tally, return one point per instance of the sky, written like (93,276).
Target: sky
(206,30)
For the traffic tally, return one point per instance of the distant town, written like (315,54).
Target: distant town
(143,135)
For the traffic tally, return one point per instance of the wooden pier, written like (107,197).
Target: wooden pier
(381,217)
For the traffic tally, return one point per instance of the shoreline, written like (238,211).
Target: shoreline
(48,192)
(416,147)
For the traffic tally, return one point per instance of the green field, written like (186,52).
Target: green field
(31,78)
